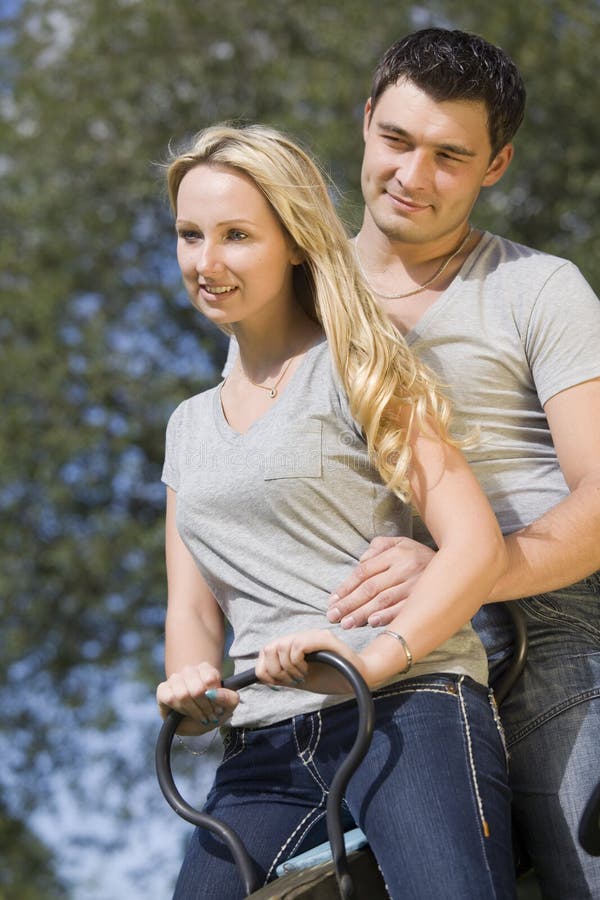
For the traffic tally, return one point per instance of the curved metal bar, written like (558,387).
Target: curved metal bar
(366,719)
(167,784)
(519,657)
(366,722)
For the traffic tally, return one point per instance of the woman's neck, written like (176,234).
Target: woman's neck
(265,349)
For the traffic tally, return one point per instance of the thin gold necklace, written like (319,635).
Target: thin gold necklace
(272,388)
(422,287)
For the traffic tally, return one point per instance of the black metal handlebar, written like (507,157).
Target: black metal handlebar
(521,645)
(366,719)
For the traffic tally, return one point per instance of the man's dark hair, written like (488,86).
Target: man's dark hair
(455,65)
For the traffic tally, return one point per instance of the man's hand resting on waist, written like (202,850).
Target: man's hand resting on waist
(374,592)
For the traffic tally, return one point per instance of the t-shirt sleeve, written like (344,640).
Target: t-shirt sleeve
(562,340)
(170,473)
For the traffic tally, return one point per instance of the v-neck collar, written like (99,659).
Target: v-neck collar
(448,295)
(277,408)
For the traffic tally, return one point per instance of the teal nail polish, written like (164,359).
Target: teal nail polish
(212,694)
(204,722)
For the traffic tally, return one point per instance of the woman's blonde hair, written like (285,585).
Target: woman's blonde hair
(379,373)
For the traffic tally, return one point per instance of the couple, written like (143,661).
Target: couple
(324,430)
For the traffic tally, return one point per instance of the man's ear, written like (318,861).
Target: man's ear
(367,118)
(498,165)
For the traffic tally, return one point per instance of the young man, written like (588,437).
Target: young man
(514,336)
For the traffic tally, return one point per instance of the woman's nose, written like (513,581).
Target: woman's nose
(209,259)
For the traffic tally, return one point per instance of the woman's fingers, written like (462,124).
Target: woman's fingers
(278,664)
(195,692)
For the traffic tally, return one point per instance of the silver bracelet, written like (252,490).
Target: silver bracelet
(405,647)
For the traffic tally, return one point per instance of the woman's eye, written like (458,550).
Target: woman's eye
(237,235)
(187,235)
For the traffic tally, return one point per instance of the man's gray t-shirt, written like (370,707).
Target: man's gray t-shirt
(515,327)
(277,517)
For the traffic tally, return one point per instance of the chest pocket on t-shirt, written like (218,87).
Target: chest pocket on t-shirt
(295,453)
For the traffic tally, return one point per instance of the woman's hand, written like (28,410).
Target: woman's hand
(282,662)
(196,693)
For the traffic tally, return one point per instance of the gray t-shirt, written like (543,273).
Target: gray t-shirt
(514,328)
(277,517)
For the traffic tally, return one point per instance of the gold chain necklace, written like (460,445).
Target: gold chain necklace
(272,388)
(422,287)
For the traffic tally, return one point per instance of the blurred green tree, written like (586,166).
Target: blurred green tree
(98,343)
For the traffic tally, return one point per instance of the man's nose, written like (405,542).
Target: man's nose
(414,171)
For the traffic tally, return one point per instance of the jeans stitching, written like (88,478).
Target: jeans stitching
(305,822)
(471,759)
(592,694)
(418,686)
(499,726)
(553,614)
(309,763)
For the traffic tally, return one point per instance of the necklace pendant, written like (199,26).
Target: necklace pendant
(272,392)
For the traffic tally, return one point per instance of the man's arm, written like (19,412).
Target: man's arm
(563,545)
(556,550)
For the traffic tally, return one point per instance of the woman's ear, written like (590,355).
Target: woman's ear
(297,255)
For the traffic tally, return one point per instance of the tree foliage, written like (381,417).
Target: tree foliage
(98,343)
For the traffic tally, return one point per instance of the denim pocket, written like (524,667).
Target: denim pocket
(574,609)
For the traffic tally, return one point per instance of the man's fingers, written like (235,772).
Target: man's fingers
(385,616)
(361,597)
(372,598)
(379,545)
(359,578)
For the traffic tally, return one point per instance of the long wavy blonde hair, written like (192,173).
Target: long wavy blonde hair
(378,371)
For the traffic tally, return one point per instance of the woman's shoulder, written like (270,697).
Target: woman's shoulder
(194,407)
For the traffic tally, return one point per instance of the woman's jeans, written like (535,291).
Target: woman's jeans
(552,724)
(431,794)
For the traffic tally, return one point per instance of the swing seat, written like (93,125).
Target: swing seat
(353,840)
(317,879)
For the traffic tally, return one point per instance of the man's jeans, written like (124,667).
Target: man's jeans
(431,794)
(552,724)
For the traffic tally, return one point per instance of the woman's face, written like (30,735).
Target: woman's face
(235,258)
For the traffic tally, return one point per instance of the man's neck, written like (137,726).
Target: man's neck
(398,271)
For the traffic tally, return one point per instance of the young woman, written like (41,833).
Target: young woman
(278,479)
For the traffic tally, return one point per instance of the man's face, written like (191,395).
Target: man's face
(425,163)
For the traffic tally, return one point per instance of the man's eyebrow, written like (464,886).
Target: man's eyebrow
(456,149)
